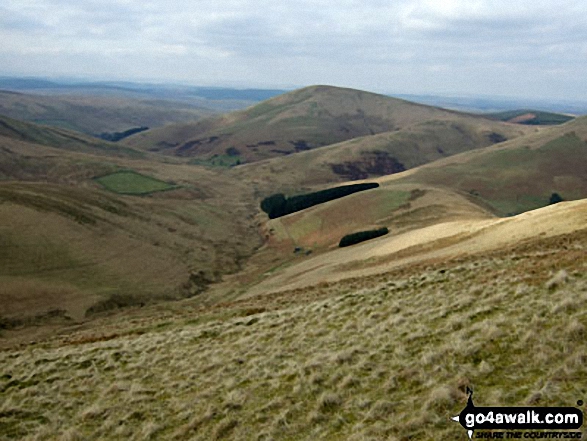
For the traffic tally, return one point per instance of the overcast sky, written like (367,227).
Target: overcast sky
(532,49)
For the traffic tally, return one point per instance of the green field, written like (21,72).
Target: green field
(130,182)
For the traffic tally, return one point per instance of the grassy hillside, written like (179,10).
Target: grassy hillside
(294,122)
(86,227)
(386,356)
(377,155)
(519,175)
(70,249)
(306,242)
(510,178)
(92,115)
(426,231)
(323,226)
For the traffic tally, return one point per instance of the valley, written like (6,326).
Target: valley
(145,293)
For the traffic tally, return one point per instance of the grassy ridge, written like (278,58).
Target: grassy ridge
(377,155)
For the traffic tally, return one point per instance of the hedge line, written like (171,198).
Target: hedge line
(361,236)
(278,205)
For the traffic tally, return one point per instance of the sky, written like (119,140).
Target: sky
(506,48)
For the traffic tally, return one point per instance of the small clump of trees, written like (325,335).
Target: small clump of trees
(361,236)
(555,198)
(278,205)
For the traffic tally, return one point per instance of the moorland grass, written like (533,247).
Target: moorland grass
(386,357)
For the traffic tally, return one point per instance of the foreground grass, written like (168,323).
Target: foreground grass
(388,357)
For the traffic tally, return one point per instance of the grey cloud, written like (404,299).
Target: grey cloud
(351,42)
(15,21)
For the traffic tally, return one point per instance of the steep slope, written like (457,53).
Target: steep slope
(294,122)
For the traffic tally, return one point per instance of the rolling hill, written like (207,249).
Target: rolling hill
(93,115)
(205,223)
(496,181)
(423,233)
(295,122)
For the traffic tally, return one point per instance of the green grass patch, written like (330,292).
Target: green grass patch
(131,182)
(305,226)
(389,201)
